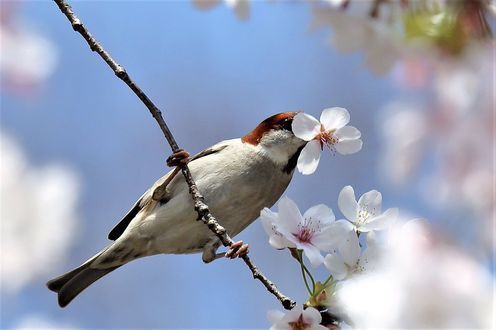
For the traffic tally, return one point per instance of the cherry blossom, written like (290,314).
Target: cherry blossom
(331,131)
(377,39)
(365,214)
(276,239)
(37,229)
(424,280)
(296,319)
(316,230)
(240,7)
(28,57)
(347,259)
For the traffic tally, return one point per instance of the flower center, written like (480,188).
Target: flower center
(364,214)
(307,229)
(299,324)
(362,217)
(326,138)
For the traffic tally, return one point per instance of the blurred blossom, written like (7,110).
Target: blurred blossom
(455,128)
(404,131)
(296,319)
(422,281)
(41,322)
(377,39)
(39,218)
(412,72)
(240,7)
(492,7)
(28,58)
(336,3)
(389,31)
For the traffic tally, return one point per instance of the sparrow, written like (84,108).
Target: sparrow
(237,177)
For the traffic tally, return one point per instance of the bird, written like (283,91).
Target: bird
(237,178)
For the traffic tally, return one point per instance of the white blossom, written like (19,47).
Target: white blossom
(331,131)
(366,214)
(39,217)
(28,58)
(313,232)
(421,281)
(376,38)
(240,7)
(276,239)
(347,260)
(38,321)
(296,319)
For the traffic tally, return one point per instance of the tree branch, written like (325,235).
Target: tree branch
(201,208)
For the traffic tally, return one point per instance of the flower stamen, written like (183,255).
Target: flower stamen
(364,214)
(307,230)
(326,138)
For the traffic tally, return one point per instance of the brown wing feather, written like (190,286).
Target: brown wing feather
(117,231)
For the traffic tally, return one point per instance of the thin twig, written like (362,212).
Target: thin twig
(201,208)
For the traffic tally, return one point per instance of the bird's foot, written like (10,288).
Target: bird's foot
(237,249)
(178,158)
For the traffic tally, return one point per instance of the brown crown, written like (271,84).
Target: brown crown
(279,121)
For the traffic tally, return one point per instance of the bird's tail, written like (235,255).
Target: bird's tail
(72,283)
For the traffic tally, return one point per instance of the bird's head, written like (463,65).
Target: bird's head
(274,137)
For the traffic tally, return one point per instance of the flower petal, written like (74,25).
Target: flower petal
(311,316)
(348,133)
(350,249)
(274,316)
(269,223)
(335,264)
(309,158)
(369,259)
(280,242)
(317,327)
(293,315)
(333,118)
(347,203)
(380,222)
(330,237)
(268,219)
(371,202)
(374,240)
(305,127)
(289,217)
(348,147)
(312,253)
(320,213)
(346,226)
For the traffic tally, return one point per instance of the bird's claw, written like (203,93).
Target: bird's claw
(237,249)
(178,158)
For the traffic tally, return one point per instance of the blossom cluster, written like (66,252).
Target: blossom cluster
(317,231)
(387,32)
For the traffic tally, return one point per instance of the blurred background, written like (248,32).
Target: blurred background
(78,148)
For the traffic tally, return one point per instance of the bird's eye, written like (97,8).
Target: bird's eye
(286,124)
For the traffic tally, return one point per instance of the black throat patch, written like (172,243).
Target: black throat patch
(291,164)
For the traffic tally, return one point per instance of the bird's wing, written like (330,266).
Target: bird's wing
(117,231)
(122,225)
(212,150)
